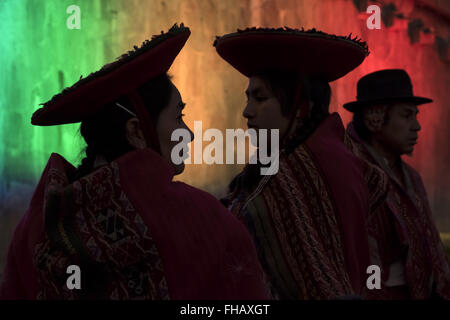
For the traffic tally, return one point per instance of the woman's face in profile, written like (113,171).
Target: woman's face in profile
(170,119)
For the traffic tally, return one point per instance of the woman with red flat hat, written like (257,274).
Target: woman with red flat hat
(133,232)
(308,219)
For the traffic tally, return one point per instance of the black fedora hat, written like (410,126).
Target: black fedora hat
(384,86)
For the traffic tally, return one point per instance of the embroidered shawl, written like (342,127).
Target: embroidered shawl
(308,220)
(405,220)
(134,233)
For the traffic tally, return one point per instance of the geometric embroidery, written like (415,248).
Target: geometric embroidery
(425,260)
(299,209)
(92,223)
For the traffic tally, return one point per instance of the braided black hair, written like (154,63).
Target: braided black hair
(105,133)
(360,127)
(317,91)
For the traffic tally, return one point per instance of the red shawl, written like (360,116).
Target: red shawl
(308,220)
(134,233)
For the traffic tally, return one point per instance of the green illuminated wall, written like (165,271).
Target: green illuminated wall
(39,56)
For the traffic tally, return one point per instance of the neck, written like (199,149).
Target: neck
(385,152)
(99,161)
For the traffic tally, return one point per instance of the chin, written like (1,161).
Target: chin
(408,151)
(254,141)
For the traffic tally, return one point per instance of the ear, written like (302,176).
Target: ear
(374,117)
(134,134)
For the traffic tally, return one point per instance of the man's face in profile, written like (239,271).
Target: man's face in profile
(263,110)
(399,133)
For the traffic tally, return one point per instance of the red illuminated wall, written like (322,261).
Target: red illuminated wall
(390,48)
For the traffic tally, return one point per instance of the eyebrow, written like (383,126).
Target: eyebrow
(411,110)
(254,91)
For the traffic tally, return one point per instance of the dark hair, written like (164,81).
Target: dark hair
(314,89)
(360,127)
(105,133)
(284,86)
(358,123)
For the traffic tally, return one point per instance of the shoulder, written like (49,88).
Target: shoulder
(189,192)
(201,200)
(411,171)
(212,221)
(415,178)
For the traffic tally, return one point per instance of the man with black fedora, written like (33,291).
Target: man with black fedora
(403,238)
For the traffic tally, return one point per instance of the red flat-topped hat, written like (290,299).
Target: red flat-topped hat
(254,51)
(88,96)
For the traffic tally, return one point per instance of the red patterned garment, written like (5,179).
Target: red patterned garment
(134,233)
(309,220)
(406,245)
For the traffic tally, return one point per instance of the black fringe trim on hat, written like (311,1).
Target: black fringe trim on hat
(123,59)
(286,30)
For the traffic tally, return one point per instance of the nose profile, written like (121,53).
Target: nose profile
(416,126)
(248,111)
(191,134)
